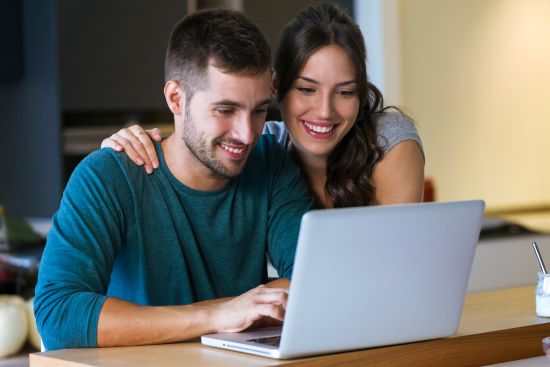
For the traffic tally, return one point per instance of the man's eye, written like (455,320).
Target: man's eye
(260,111)
(305,90)
(224,111)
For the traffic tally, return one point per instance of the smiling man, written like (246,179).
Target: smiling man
(136,259)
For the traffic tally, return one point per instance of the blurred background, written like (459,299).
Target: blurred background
(475,76)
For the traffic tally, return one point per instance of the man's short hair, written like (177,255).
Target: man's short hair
(226,38)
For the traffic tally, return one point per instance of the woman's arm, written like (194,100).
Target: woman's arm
(399,176)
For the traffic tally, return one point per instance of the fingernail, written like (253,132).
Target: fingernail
(139,162)
(118,148)
(156,164)
(148,169)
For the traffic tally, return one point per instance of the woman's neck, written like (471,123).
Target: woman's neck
(314,170)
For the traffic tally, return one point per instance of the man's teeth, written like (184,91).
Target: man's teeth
(233,150)
(319,129)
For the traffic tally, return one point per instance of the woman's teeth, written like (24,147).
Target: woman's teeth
(319,129)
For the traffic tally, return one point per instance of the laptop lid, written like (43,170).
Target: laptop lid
(373,276)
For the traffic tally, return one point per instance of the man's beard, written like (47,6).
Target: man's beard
(204,152)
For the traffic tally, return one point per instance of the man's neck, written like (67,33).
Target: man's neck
(183,164)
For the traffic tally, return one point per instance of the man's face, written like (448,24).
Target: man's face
(223,122)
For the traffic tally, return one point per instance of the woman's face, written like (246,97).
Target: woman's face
(322,104)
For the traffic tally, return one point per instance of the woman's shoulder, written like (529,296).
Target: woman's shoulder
(278,129)
(393,127)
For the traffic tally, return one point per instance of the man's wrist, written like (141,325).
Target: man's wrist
(206,316)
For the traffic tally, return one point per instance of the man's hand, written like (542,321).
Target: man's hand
(259,306)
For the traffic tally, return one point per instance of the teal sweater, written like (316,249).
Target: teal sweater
(151,240)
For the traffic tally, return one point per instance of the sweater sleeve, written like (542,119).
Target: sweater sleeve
(81,247)
(289,201)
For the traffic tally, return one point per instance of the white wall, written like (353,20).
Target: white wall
(380,23)
(476,76)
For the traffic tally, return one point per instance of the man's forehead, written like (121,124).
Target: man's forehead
(241,85)
(215,73)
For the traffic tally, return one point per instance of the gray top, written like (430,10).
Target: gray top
(392,128)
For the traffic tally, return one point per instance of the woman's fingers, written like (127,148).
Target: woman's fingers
(137,144)
(128,148)
(111,143)
(154,134)
(147,146)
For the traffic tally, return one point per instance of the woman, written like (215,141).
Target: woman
(352,151)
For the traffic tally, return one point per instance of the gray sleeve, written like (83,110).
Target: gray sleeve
(278,129)
(393,128)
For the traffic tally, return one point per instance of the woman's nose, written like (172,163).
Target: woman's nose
(324,106)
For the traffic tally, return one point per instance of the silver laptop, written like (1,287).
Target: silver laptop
(371,276)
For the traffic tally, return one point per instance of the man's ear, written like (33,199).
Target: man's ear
(274,84)
(175,97)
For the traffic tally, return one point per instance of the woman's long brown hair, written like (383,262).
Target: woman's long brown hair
(350,164)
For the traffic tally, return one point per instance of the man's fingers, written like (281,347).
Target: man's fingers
(249,308)
(276,312)
(277,296)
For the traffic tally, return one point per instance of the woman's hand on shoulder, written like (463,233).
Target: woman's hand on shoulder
(137,144)
(399,176)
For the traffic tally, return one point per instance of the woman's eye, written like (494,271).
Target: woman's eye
(347,93)
(306,90)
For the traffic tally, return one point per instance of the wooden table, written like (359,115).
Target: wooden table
(496,327)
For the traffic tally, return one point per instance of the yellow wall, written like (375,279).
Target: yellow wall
(476,77)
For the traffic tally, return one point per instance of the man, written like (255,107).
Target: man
(141,259)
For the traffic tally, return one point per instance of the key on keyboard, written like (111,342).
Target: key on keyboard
(269,340)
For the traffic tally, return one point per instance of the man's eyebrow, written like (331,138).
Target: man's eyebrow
(264,102)
(230,103)
(347,82)
(227,102)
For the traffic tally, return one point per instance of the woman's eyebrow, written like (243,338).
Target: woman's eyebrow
(310,80)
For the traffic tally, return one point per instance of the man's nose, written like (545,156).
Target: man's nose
(243,130)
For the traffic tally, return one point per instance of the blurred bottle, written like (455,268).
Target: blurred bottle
(3,229)
(7,276)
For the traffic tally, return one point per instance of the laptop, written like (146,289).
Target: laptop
(371,276)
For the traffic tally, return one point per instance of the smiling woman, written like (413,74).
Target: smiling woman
(338,127)
(322,105)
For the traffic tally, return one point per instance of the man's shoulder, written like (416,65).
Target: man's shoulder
(267,150)
(266,141)
(106,166)
(103,161)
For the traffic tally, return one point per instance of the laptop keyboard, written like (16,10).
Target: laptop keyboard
(269,340)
